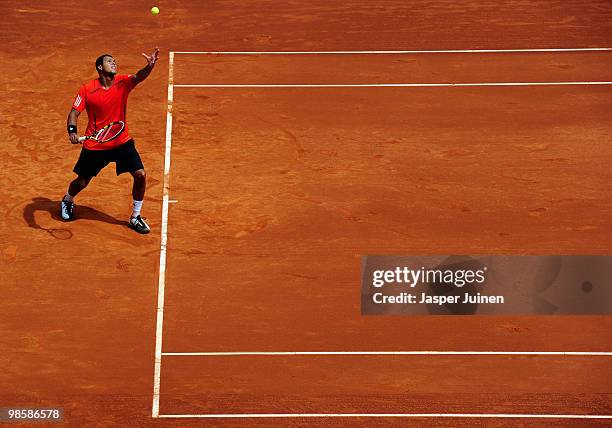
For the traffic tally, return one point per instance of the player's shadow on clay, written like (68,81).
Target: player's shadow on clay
(52,207)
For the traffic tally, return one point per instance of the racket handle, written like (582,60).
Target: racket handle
(81,139)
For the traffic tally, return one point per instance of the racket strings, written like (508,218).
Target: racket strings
(104,133)
(109,132)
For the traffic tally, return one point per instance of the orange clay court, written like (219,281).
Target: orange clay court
(269,176)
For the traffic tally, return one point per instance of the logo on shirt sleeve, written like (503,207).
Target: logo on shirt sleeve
(78,100)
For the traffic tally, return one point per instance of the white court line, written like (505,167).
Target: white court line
(392,52)
(163,244)
(389,415)
(395,85)
(226,354)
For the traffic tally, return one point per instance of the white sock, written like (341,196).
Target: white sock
(68,198)
(136,207)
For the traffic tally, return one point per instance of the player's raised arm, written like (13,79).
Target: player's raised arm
(71,123)
(146,70)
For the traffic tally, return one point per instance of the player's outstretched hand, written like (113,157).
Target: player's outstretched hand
(152,59)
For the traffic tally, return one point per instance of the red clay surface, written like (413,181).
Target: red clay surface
(282,190)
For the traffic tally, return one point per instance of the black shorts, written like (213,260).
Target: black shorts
(125,156)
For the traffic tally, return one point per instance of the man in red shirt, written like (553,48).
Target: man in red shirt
(105,100)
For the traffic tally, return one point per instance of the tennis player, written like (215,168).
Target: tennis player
(105,100)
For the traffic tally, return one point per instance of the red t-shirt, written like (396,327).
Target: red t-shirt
(105,106)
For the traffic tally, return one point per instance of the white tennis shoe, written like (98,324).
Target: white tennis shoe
(139,224)
(67,210)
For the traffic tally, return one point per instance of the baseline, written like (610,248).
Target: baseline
(163,243)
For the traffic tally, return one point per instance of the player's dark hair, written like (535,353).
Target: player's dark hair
(100,59)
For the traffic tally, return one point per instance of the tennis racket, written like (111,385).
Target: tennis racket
(106,134)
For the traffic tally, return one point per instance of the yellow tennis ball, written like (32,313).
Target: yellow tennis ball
(154,10)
